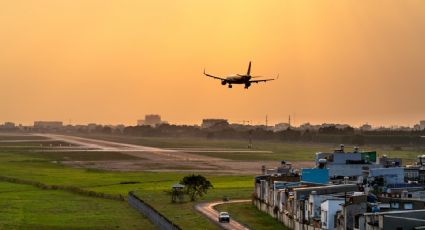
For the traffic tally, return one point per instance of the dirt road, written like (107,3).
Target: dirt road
(208,210)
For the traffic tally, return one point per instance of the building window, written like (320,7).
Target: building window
(394,205)
(408,206)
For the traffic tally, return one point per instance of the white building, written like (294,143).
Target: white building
(48,124)
(366,127)
(313,209)
(329,208)
(422,124)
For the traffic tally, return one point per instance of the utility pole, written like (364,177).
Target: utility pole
(250,139)
(289,121)
(267,121)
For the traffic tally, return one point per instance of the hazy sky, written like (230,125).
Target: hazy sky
(114,61)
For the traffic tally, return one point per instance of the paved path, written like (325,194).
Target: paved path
(208,210)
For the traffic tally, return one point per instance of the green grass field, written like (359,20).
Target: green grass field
(250,216)
(281,150)
(27,207)
(150,186)
(18,136)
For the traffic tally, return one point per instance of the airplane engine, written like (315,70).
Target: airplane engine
(247,85)
(223,82)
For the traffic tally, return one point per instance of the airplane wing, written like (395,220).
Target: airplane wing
(209,75)
(262,80)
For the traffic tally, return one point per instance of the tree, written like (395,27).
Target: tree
(196,185)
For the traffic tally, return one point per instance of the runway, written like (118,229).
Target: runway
(155,159)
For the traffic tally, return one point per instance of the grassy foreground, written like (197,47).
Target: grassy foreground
(250,216)
(65,210)
(26,207)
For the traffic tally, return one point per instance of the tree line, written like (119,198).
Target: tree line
(328,134)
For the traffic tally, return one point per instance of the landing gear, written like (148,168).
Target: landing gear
(247,85)
(230,86)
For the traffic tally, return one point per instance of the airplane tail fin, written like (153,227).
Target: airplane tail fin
(249,69)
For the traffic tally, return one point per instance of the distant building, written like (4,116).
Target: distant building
(338,126)
(394,175)
(140,122)
(422,124)
(308,126)
(366,127)
(150,119)
(388,162)
(9,125)
(350,164)
(92,127)
(241,127)
(281,127)
(214,123)
(315,175)
(404,128)
(48,124)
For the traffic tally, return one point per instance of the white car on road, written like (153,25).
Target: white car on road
(224,217)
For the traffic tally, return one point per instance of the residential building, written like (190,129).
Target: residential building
(422,124)
(388,175)
(393,220)
(281,127)
(376,199)
(350,164)
(366,127)
(214,123)
(329,209)
(151,120)
(48,124)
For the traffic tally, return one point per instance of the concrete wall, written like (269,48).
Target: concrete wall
(286,219)
(153,215)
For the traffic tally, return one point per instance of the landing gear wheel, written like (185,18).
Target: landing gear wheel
(230,86)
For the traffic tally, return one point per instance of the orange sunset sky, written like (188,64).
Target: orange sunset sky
(112,62)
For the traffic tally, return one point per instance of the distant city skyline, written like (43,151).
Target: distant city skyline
(231,121)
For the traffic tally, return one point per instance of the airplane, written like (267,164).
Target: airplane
(240,78)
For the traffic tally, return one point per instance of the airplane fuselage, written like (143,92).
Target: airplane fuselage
(237,79)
